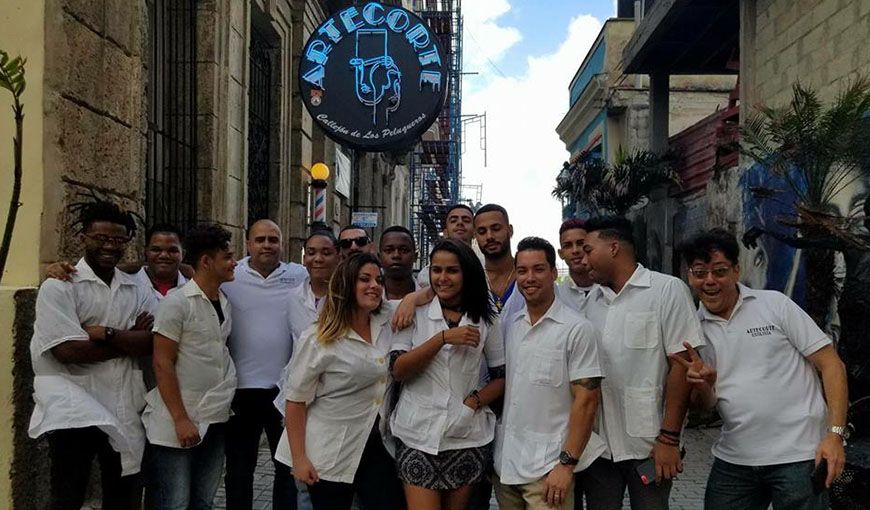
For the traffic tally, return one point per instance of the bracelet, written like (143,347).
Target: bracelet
(443,341)
(667,441)
(670,433)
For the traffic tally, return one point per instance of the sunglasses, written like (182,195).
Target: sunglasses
(345,244)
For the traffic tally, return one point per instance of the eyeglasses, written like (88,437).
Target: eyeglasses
(702,272)
(345,244)
(104,239)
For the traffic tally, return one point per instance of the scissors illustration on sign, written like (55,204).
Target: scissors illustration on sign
(377,75)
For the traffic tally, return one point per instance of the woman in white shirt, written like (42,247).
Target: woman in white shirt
(443,424)
(335,393)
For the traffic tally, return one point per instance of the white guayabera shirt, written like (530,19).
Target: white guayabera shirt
(145,281)
(206,374)
(109,394)
(344,385)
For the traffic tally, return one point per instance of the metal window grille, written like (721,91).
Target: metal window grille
(171,183)
(259,126)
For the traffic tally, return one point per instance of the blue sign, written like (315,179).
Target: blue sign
(374,78)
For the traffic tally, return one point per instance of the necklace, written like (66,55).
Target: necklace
(504,285)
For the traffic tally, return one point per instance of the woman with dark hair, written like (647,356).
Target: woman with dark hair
(335,393)
(443,424)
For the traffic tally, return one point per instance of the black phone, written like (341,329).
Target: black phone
(646,470)
(820,473)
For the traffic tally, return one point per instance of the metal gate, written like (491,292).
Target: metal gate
(259,126)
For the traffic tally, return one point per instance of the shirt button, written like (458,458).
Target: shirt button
(383,380)
(380,361)
(379,401)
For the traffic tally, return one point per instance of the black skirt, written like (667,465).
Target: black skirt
(448,470)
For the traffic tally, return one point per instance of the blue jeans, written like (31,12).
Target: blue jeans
(786,486)
(182,478)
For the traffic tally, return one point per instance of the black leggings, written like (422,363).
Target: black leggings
(375,483)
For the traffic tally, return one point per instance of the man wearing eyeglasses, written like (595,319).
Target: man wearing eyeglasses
(776,381)
(353,239)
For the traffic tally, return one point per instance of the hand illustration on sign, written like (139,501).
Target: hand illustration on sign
(377,74)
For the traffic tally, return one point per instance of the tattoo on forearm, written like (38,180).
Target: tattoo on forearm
(590,383)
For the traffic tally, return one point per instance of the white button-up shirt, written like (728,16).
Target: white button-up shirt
(261,340)
(109,394)
(303,309)
(145,281)
(582,300)
(542,361)
(430,415)
(769,394)
(343,385)
(206,375)
(649,319)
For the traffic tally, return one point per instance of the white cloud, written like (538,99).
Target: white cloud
(483,38)
(524,151)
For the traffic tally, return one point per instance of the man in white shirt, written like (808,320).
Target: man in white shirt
(261,343)
(185,415)
(88,390)
(163,253)
(398,252)
(644,397)
(761,369)
(552,394)
(458,224)
(576,290)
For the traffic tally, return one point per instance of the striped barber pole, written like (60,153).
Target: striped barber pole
(320,204)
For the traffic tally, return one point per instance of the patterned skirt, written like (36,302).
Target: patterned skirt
(448,470)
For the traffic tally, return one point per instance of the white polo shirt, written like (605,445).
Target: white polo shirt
(145,280)
(109,394)
(649,319)
(430,415)
(343,385)
(768,393)
(261,339)
(206,375)
(582,300)
(542,360)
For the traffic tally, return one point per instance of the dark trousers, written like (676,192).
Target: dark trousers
(187,478)
(376,483)
(72,452)
(786,486)
(254,413)
(604,483)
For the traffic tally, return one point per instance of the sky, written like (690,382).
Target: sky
(525,53)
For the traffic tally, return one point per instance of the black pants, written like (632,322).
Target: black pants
(72,452)
(376,484)
(253,413)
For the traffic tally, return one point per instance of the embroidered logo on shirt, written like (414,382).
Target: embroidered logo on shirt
(761,331)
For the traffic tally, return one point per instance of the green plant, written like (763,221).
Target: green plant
(819,152)
(615,188)
(12,79)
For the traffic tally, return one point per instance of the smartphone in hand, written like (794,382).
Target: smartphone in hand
(820,473)
(647,471)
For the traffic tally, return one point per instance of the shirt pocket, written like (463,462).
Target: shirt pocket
(547,367)
(641,330)
(464,425)
(415,415)
(643,411)
(324,446)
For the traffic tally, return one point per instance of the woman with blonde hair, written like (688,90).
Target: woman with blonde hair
(335,390)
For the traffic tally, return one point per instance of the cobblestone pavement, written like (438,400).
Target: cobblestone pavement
(687,493)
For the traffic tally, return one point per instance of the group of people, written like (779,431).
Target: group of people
(381,389)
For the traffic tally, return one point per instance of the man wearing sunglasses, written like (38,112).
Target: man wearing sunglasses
(353,239)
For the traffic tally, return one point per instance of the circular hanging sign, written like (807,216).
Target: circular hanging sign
(374,77)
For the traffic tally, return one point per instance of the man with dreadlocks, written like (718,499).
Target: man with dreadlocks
(88,388)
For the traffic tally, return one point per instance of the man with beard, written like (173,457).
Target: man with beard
(397,254)
(643,397)
(261,343)
(458,224)
(493,232)
(88,335)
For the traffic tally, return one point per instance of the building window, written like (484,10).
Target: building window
(259,126)
(170,180)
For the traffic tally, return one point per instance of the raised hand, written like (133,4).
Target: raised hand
(463,335)
(697,372)
(750,238)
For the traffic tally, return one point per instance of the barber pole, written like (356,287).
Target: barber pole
(320,204)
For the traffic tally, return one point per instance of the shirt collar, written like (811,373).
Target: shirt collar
(245,264)
(192,289)
(85,273)
(555,313)
(377,322)
(573,285)
(179,279)
(744,293)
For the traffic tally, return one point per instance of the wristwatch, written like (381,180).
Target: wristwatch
(109,334)
(843,431)
(566,459)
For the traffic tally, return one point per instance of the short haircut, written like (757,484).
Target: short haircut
(322,232)
(571,224)
(205,239)
(452,207)
(493,208)
(162,228)
(97,209)
(352,227)
(538,244)
(701,246)
(401,230)
(611,227)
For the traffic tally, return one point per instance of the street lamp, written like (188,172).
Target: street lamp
(319,175)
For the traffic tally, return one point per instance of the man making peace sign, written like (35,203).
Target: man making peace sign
(759,370)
